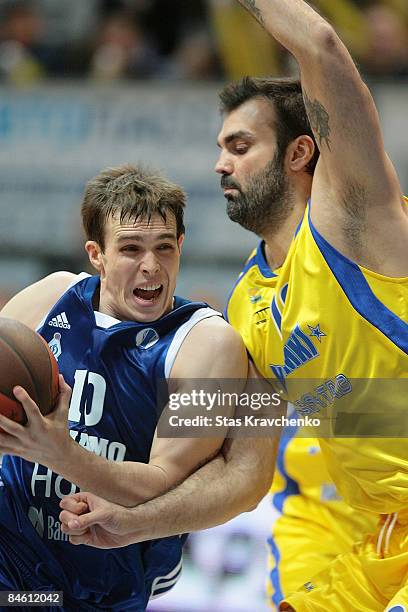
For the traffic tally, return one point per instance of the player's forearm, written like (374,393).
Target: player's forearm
(198,503)
(293,23)
(125,482)
(219,491)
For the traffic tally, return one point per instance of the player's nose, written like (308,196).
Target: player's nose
(150,264)
(224,165)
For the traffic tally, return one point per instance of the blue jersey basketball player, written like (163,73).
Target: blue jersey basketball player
(116,335)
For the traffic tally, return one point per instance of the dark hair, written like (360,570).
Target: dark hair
(132,192)
(286,97)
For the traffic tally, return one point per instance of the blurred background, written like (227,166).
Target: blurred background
(87,84)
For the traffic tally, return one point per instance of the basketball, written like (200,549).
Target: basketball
(25,360)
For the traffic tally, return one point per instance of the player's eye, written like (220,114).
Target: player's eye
(241,148)
(165,247)
(130,248)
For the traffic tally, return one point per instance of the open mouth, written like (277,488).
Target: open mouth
(149,293)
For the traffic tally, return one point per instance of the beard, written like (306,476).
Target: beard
(265,203)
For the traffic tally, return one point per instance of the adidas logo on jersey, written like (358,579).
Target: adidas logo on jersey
(60,321)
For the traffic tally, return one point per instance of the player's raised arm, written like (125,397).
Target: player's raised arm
(354,173)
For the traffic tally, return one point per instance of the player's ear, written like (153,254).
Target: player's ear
(299,153)
(95,254)
(180,241)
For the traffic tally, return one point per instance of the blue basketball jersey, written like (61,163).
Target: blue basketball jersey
(116,370)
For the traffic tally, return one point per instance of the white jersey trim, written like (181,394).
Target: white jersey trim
(105,320)
(76,280)
(166,582)
(181,333)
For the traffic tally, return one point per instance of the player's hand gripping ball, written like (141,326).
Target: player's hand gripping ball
(25,360)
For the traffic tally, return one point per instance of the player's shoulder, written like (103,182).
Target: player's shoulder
(49,289)
(59,281)
(215,339)
(250,271)
(32,303)
(214,331)
(210,345)
(211,337)
(245,281)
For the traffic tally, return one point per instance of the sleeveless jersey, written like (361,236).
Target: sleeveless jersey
(115,369)
(343,351)
(301,476)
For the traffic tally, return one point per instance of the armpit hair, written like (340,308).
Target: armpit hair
(354,201)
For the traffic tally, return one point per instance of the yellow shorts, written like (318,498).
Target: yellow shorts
(315,524)
(373,577)
(302,547)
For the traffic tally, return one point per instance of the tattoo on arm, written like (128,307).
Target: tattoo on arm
(250,5)
(319,119)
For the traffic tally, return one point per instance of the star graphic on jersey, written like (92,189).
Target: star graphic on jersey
(316,332)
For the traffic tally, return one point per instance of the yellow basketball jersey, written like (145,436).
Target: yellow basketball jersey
(343,335)
(301,476)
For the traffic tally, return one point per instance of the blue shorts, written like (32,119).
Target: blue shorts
(25,573)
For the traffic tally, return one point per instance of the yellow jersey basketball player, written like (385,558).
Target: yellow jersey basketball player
(340,307)
(314,524)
